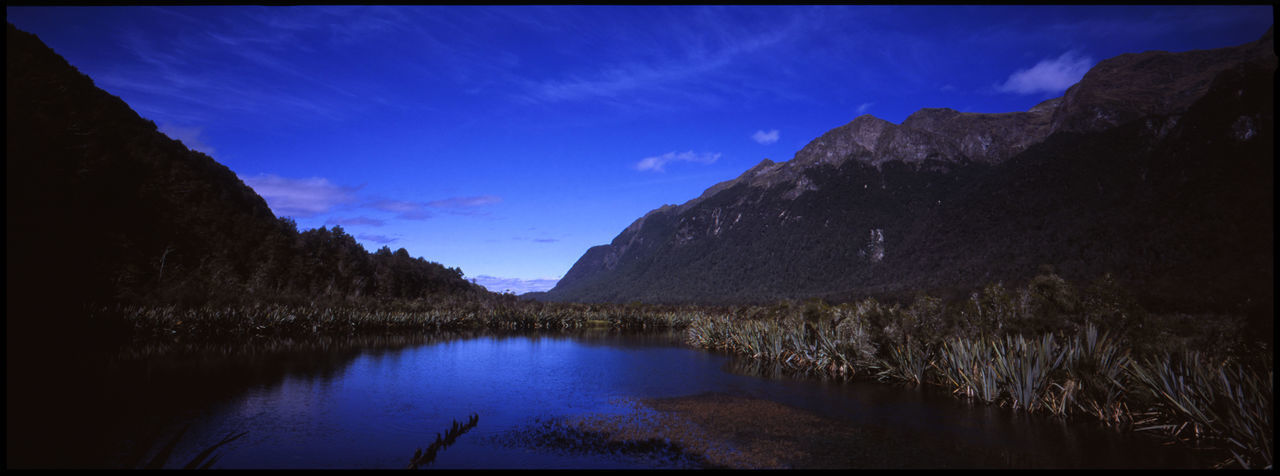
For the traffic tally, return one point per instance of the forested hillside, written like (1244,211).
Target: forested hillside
(103,208)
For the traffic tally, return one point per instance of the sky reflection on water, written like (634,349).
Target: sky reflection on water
(372,407)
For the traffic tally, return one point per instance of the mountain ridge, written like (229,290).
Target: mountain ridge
(934,147)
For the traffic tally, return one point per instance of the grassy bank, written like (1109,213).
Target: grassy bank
(1047,347)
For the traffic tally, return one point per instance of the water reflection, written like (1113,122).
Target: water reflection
(371,401)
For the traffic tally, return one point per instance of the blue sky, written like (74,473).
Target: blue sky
(507,140)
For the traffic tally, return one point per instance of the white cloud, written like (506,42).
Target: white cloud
(656,163)
(190,137)
(862,108)
(301,198)
(765,138)
(1048,76)
(515,285)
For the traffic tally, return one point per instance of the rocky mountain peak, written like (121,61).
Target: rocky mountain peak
(860,135)
(1133,85)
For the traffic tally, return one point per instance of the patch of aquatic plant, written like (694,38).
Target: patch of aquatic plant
(425,457)
(1199,397)
(203,460)
(593,435)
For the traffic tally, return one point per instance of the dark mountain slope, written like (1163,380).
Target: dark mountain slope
(101,207)
(1169,190)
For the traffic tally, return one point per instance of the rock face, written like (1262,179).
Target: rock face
(1156,168)
(1130,86)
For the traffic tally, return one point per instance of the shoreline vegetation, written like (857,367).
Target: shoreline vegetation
(1047,347)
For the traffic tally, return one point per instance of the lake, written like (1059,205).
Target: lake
(370,403)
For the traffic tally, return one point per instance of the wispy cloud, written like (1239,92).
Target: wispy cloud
(515,285)
(1048,76)
(658,162)
(381,239)
(403,209)
(691,59)
(398,206)
(302,198)
(192,137)
(862,108)
(765,138)
(465,202)
(410,210)
(199,62)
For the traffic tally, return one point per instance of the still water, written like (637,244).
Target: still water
(371,405)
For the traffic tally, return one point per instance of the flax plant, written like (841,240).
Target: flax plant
(1024,367)
(966,366)
(907,361)
(1199,397)
(1096,365)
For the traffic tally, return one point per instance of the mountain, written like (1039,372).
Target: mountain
(101,208)
(1155,168)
